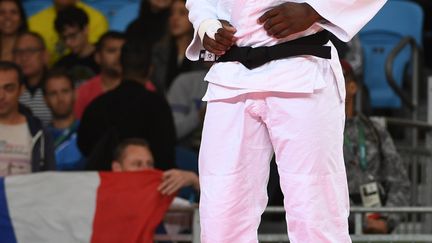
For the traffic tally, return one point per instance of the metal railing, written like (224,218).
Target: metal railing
(408,226)
(416,224)
(415,235)
(416,74)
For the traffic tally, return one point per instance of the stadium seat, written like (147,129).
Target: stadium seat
(187,159)
(110,7)
(32,7)
(395,21)
(124,16)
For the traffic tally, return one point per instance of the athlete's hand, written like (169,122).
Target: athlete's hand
(288,18)
(224,39)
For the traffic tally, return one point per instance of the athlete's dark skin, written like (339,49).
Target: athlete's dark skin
(279,22)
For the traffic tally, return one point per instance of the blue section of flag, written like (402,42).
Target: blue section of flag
(7,234)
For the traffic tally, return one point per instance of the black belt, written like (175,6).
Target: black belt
(312,45)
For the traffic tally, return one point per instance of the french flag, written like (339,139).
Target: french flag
(96,207)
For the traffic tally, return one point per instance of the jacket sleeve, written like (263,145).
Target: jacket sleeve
(199,10)
(162,137)
(184,97)
(344,18)
(50,162)
(394,176)
(185,122)
(395,173)
(90,130)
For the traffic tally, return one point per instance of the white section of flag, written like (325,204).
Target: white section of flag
(41,205)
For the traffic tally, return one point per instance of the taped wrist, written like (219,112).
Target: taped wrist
(209,27)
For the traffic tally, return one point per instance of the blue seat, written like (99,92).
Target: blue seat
(396,20)
(187,159)
(110,7)
(32,7)
(107,8)
(124,16)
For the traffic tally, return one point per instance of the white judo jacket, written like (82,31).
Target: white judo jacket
(302,74)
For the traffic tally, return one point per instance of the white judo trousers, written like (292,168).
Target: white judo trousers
(305,130)
(298,112)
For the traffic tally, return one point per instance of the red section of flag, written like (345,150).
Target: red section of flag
(128,207)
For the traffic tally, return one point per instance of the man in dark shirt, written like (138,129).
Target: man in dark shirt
(128,111)
(72,26)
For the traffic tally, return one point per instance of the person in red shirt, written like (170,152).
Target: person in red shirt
(108,51)
(107,56)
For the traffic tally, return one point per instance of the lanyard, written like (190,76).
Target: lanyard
(66,134)
(361,145)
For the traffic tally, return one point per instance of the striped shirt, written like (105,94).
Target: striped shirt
(37,105)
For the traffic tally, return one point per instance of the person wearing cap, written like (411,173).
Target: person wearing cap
(287,98)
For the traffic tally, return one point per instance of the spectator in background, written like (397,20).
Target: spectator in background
(354,55)
(128,111)
(169,55)
(185,99)
(152,22)
(71,25)
(351,52)
(107,55)
(43,23)
(60,96)
(13,21)
(25,146)
(371,160)
(31,55)
(134,154)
